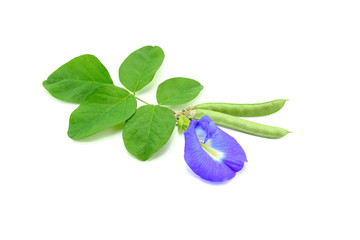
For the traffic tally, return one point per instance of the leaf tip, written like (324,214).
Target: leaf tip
(45,83)
(72,135)
(144,158)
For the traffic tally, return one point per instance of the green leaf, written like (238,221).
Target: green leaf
(74,80)
(177,91)
(139,67)
(105,107)
(148,130)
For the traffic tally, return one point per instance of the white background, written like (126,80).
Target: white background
(303,186)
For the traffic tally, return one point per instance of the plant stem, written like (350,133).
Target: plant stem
(141,100)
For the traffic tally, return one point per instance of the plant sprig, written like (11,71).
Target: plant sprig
(86,81)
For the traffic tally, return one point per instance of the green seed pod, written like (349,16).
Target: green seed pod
(242,125)
(245,110)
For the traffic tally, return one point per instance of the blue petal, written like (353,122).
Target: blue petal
(210,152)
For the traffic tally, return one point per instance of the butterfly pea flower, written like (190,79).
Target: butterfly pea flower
(211,153)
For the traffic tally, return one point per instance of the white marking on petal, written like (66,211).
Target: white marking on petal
(214,154)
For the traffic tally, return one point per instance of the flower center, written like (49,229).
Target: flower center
(216,155)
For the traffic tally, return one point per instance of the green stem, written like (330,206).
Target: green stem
(142,100)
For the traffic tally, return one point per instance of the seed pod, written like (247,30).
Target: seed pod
(245,110)
(242,125)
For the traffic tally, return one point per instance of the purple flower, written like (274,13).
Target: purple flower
(211,153)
